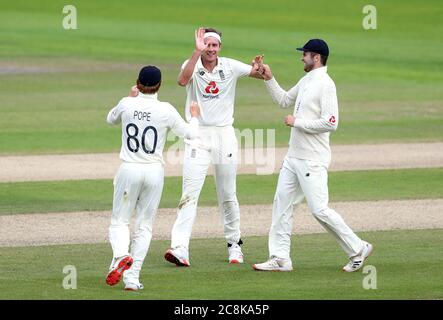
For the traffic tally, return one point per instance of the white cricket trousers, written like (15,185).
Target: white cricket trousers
(137,187)
(217,145)
(304,178)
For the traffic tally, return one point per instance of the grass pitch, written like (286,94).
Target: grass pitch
(407,263)
(93,195)
(58,85)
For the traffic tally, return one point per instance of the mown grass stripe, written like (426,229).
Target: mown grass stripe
(93,195)
(407,264)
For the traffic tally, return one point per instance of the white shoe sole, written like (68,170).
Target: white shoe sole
(235,261)
(133,288)
(275,270)
(371,248)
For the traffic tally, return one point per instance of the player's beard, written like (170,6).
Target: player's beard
(308,66)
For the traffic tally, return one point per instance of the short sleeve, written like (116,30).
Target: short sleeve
(240,69)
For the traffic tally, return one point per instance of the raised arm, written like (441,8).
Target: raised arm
(257,67)
(115,115)
(183,129)
(284,99)
(186,73)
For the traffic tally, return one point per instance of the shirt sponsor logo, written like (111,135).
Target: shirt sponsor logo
(208,96)
(332,119)
(212,88)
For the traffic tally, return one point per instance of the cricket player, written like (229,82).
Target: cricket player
(138,184)
(211,81)
(304,170)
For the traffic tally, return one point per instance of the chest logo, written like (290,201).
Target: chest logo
(211,88)
(332,119)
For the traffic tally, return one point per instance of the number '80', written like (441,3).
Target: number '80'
(137,143)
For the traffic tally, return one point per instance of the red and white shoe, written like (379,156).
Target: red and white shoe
(179,256)
(119,266)
(235,254)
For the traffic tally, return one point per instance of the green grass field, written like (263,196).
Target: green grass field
(92,195)
(58,85)
(389,85)
(414,273)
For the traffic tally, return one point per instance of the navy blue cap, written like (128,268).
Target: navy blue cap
(149,76)
(317,46)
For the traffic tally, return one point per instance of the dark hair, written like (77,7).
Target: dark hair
(213,30)
(148,90)
(323,59)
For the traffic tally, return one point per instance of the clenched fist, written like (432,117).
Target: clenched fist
(134,91)
(289,120)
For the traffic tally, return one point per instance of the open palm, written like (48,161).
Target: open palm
(199,39)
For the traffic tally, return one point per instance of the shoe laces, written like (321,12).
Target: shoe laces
(274,260)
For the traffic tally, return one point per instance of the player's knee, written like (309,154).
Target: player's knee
(226,192)
(187,200)
(227,197)
(320,212)
(280,194)
(119,223)
(144,228)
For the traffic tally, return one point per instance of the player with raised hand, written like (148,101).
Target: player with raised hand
(304,170)
(211,81)
(138,184)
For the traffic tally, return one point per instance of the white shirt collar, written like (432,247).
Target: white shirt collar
(317,72)
(216,68)
(148,96)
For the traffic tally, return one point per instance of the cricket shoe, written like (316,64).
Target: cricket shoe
(179,256)
(119,266)
(235,253)
(130,286)
(274,264)
(355,263)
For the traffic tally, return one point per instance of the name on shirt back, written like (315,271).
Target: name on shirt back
(142,115)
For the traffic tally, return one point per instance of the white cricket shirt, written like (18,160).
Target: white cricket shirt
(215,91)
(316,113)
(145,122)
